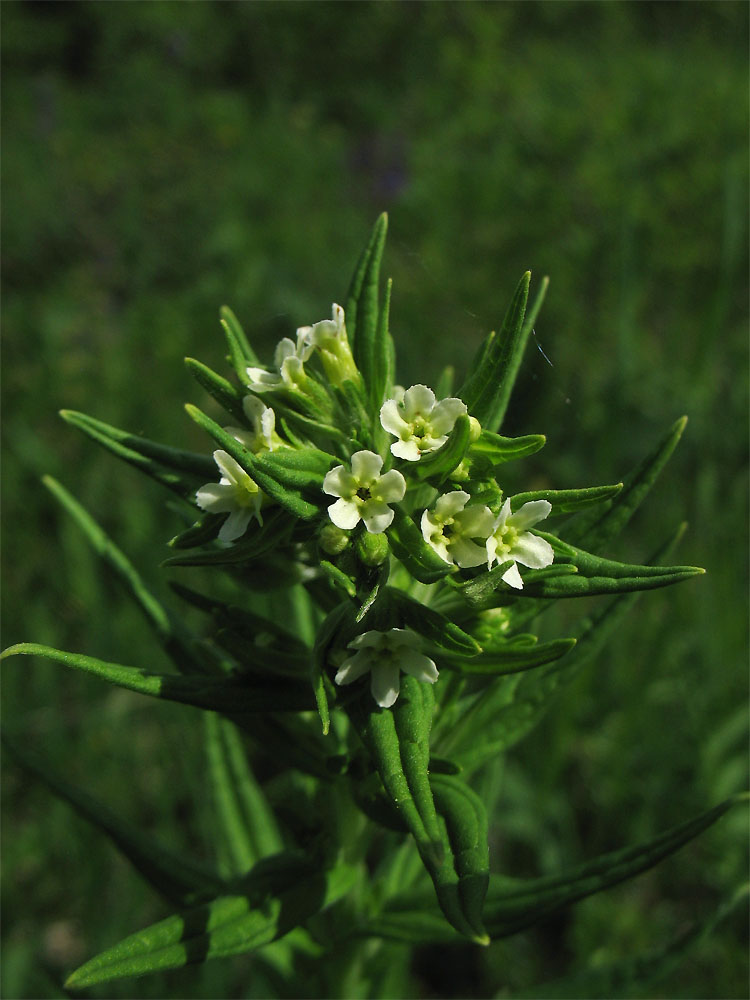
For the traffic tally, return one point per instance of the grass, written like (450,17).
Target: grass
(157,167)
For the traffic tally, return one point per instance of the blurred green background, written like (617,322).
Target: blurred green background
(163,159)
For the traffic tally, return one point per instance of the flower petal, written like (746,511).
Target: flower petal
(384,684)
(503,516)
(476,521)
(339,482)
(390,488)
(418,665)
(366,466)
(353,668)
(432,532)
(408,450)
(344,514)
(285,349)
(449,504)
(391,419)
(216,498)
(445,413)
(532,551)
(512,577)
(261,381)
(233,471)
(372,640)
(235,525)
(253,409)
(466,553)
(418,400)
(529,514)
(376,515)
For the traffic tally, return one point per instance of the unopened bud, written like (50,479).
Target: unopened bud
(333,540)
(372,549)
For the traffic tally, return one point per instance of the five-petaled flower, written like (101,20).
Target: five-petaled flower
(450,527)
(419,422)
(263,436)
(235,494)
(509,539)
(384,655)
(363,493)
(288,360)
(329,338)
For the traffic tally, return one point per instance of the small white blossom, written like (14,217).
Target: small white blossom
(363,493)
(329,338)
(288,361)
(509,539)
(384,655)
(263,436)
(451,527)
(419,422)
(235,494)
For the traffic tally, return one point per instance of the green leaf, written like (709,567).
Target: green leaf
(441,463)
(487,390)
(513,905)
(223,392)
(358,287)
(264,474)
(202,531)
(512,657)
(598,527)
(218,694)
(244,817)
(492,450)
(432,625)
(567,501)
(173,636)
(240,351)
(411,549)
(175,877)
(369,336)
(158,461)
(270,903)
(467,828)
(257,541)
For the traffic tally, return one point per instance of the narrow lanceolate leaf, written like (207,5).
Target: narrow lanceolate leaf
(410,548)
(291,498)
(172,635)
(512,658)
(487,390)
(513,905)
(509,911)
(597,527)
(267,907)
(467,828)
(441,463)
(225,394)
(204,530)
(337,629)
(244,818)
(239,346)
(175,877)
(492,450)
(358,308)
(567,501)
(432,625)
(258,540)
(219,694)
(168,466)
(532,312)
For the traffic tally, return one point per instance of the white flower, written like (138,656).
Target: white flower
(450,527)
(364,494)
(288,361)
(384,655)
(263,436)
(330,339)
(419,422)
(509,539)
(235,494)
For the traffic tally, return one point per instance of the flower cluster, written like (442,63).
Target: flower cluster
(308,376)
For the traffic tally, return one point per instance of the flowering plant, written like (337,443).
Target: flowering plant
(378,516)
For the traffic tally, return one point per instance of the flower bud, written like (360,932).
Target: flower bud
(333,540)
(372,550)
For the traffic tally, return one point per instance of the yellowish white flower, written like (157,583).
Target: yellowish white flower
(510,539)
(235,494)
(384,655)
(288,362)
(363,493)
(263,436)
(456,532)
(329,338)
(420,423)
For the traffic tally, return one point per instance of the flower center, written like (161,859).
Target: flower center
(506,538)
(363,493)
